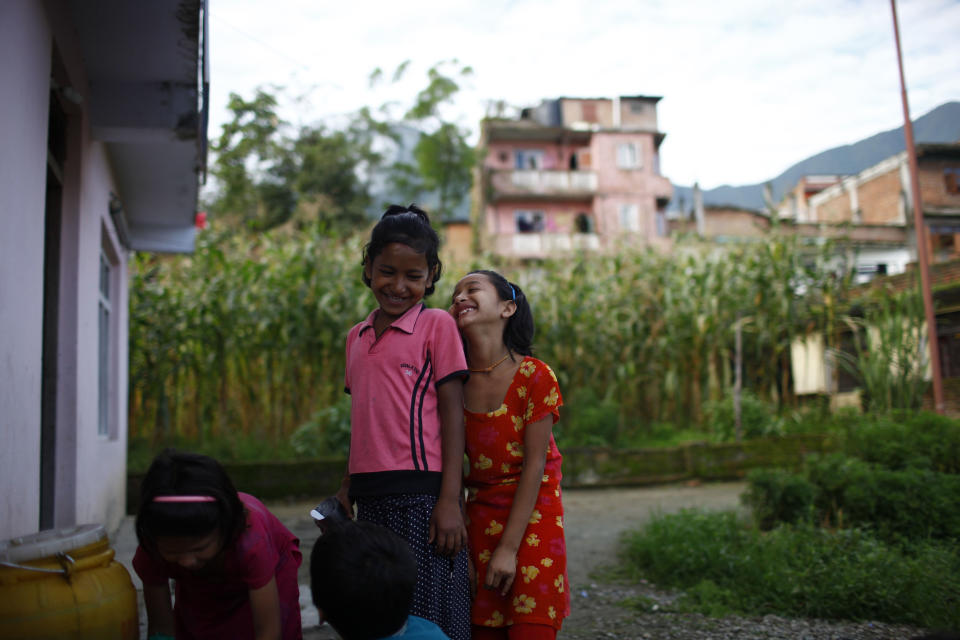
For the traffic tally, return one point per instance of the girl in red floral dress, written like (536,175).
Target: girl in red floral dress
(514,511)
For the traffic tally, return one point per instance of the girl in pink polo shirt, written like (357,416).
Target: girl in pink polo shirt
(405,369)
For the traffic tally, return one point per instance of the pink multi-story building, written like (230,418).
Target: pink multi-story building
(571,174)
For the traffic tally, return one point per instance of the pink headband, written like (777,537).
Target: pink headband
(184,499)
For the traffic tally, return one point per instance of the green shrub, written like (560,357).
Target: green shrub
(588,420)
(922,440)
(326,433)
(831,474)
(757,418)
(234,447)
(685,548)
(817,417)
(915,504)
(797,571)
(777,495)
(839,491)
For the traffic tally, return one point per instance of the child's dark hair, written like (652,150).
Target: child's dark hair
(362,577)
(409,226)
(177,474)
(518,334)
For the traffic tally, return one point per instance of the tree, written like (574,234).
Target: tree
(268,176)
(248,165)
(442,159)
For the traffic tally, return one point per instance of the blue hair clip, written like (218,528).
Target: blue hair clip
(513,292)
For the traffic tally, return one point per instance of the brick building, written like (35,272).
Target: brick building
(570,174)
(876,205)
(724,224)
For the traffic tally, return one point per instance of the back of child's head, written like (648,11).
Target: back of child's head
(187,495)
(362,577)
(409,226)
(519,330)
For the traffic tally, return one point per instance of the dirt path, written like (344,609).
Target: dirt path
(594,521)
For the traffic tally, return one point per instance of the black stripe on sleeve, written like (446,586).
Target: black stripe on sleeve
(463,374)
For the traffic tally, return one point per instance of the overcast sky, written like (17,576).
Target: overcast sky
(749,87)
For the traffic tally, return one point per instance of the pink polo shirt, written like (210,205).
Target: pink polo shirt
(392,380)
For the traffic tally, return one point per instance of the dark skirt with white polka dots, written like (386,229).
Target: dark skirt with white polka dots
(442,594)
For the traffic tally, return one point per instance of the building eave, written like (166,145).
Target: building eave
(147,73)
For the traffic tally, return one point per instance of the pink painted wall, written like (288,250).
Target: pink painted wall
(501,155)
(90,469)
(616,186)
(25,38)
(619,186)
(558,216)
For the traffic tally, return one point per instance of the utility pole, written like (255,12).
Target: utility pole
(920,228)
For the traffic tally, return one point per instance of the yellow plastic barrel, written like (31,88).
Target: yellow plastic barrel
(64,583)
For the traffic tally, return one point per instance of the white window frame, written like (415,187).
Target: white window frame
(630,217)
(108,312)
(629,155)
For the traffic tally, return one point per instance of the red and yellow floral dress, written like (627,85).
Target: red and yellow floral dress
(540,592)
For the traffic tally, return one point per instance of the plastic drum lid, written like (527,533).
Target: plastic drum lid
(50,542)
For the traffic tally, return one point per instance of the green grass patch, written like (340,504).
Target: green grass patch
(725,566)
(234,448)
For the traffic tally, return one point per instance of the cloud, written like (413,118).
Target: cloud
(749,87)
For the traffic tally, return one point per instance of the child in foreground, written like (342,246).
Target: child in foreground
(362,578)
(514,511)
(233,562)
(404,373)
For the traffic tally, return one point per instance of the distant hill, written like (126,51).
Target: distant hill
(939,125)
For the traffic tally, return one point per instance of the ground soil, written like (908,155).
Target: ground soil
(594,522)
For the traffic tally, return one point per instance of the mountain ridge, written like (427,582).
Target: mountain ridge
(939,125)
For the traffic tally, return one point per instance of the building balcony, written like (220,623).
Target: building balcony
(662,188)
(542,245)
(542,183)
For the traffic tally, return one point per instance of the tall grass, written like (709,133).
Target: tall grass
(245,337)
(891,358)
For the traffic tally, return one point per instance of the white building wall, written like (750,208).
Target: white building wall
(808,365)
(90,468)
(25,39)
(896,260)
(100,461)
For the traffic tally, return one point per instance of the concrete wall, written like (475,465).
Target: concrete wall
(24,76)
(591,111)
(641,114)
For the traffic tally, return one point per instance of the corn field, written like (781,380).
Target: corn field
(246,336)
